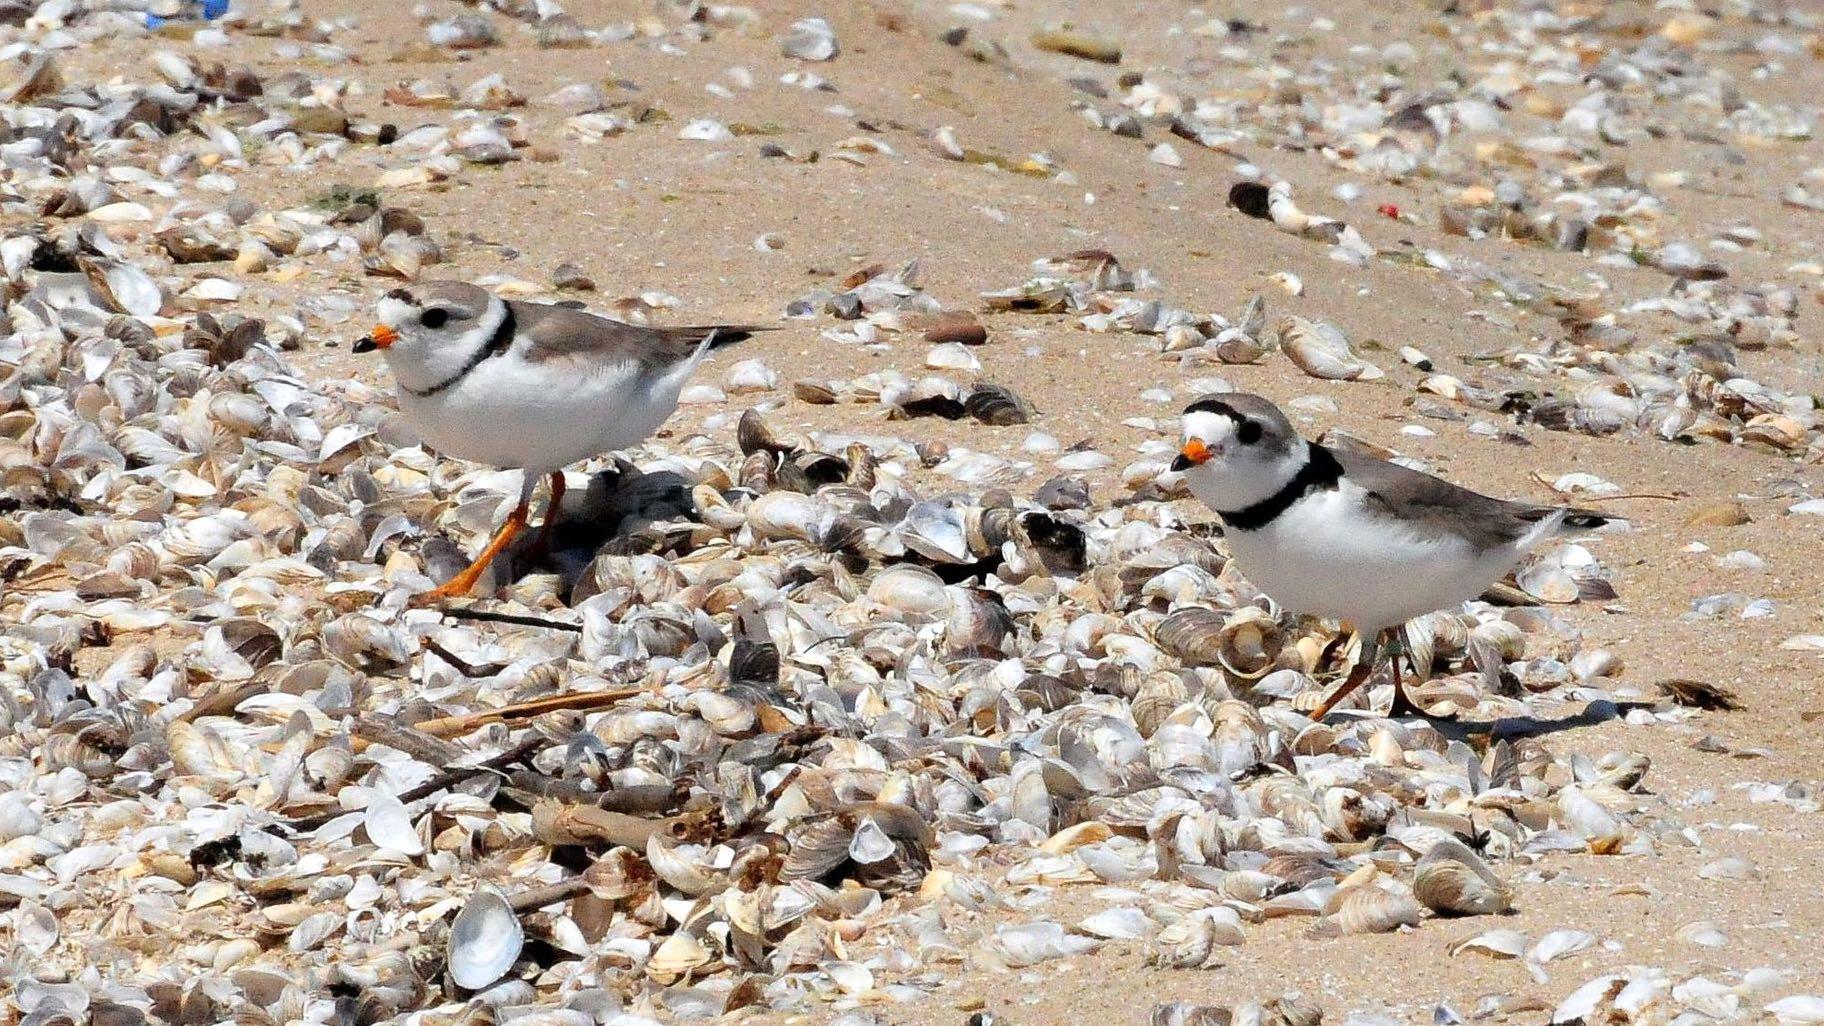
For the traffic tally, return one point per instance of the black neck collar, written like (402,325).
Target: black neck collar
(1321,472)
(496,344)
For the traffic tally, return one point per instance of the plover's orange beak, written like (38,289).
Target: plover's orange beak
(379,338)
(1194,453)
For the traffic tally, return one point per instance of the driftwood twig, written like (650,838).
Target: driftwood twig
(534,898)
(562,823)
(448,778)
(518,620)
(463,666)
(456,726)
(639,800)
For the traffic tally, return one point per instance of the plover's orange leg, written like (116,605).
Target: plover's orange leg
(1402,704)
(1364,668)
(461,583)
(1332,649)
(549,528)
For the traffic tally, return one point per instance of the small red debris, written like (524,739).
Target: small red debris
(1388,210)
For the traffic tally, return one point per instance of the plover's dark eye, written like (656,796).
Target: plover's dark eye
(1249,432)
(434,318)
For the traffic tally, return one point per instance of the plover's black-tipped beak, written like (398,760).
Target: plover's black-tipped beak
(1194,454)
(379,338)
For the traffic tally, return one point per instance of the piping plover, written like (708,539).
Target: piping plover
(529,385)
(1343,535)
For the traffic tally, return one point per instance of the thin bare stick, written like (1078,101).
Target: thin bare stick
(1546,482)
(1634,495)
(376,729)
(456,726)
(463,666)
(446,779)
(485,616)
(535,898)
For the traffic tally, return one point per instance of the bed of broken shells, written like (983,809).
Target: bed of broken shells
(782,716)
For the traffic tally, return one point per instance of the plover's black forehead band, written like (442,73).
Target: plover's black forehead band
(402,295)
(1216,406)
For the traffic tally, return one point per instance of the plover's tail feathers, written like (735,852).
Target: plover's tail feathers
(716,336)
(1556,522)
(713,337)
(1587,520)
(1564,519)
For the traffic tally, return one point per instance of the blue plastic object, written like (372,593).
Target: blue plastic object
(209,10)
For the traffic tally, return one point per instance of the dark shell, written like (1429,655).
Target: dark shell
(1250,198)
(1193,635)
(1063,492)
(753,434)
(934,406)
(998,405)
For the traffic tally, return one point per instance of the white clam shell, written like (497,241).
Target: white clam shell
(1798,1010)
(1548,581)
(1589,819)
(1323,351)
(1087,459)
(679,954)
(1374,908)
(811,39)
(134,290)
(1494,943)
(1032,943)
(750,376)
(672,865)
(485,940)
(1583,1002)
(1119,924)
(706,130)
(952,356)
(936,530)
(1702,933)
(1559,943)
(910,589)
(17,818)
(389,825)
(870,843)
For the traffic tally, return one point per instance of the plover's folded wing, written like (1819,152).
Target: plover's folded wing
(550,333)
(1433,506)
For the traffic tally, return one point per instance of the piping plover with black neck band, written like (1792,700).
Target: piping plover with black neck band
(529,385)
(1342,535)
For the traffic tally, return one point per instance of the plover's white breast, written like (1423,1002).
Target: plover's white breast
(544,416)
(1329,555)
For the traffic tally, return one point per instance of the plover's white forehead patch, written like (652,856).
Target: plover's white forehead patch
(1207,426)
(394,312)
